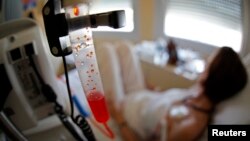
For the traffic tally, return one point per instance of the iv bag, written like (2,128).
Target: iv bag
(81,41)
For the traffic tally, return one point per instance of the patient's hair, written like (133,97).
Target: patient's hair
(226,75)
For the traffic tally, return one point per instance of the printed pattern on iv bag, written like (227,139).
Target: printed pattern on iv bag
(85,60)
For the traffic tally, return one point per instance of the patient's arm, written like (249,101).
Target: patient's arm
(126,133)
(188,128)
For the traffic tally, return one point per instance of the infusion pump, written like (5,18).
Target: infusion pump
(20,98)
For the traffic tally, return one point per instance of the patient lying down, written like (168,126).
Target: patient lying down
(181,114)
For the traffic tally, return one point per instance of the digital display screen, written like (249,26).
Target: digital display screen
(15,54)
(29,49)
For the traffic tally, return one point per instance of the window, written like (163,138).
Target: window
(215,22)
(99,6)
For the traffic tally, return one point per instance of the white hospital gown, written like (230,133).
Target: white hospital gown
(144,110)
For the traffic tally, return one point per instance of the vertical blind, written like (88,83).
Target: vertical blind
(223,12)
(226,14)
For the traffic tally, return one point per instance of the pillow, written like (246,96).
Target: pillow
(236,109)
(110,72)
(132,75)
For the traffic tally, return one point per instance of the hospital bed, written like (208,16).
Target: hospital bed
(121,72)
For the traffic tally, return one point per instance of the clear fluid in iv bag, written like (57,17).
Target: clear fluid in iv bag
(98,106)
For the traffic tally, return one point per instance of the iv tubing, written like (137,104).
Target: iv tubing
(68,87)
(108,132)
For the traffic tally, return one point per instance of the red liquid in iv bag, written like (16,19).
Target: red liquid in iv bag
(98,106)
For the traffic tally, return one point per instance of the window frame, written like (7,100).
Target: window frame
(160,11)
(245,48)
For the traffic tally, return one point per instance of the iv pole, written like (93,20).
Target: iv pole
(57,25)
